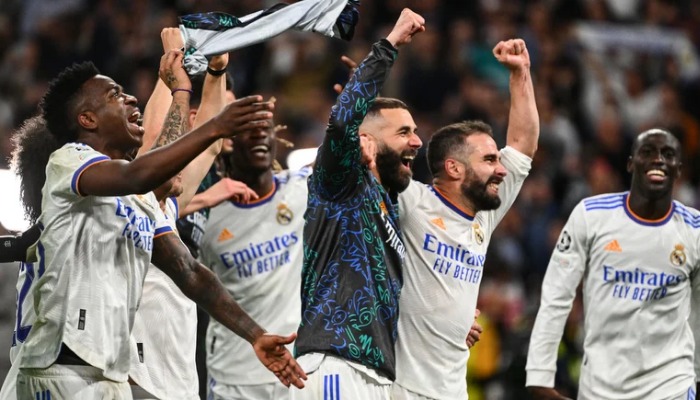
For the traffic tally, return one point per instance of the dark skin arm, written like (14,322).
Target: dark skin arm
(201,285)
(14,248)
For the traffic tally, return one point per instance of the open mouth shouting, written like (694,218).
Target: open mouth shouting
(136,121)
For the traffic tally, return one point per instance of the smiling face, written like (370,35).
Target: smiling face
(115,114)
(397,146)
(655,163)
(484,173)
(254,151)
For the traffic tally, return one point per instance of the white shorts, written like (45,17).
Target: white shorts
(75,382)
(399,392)
(336,379)
(267,391)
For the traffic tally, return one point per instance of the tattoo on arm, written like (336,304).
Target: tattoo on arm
(176,124)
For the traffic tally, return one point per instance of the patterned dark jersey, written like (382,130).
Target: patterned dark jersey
(191,227)
(351,277)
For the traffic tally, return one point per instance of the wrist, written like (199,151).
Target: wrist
(256,334)
(216,72)
(180,90)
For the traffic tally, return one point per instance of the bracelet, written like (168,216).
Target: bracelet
(214,72)
(172,92)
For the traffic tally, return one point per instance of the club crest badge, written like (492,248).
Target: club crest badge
(478,233)
(678,255)
(284,214)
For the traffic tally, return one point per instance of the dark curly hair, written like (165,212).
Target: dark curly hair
(60,100)
(33,145)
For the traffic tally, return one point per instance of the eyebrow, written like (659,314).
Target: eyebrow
(408,128)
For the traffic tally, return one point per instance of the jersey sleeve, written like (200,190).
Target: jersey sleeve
(518,166)
(338,164)
(695,314)
(66,165)
(564,272)
(164,225)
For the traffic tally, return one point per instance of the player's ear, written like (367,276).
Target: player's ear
(87,120)
(453,168)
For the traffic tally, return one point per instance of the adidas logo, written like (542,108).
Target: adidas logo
(224,235)
(439,223)
(613,246)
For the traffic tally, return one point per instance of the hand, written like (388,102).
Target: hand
(228,189)
(172,72)
(275,357)
(408,24)
(219,62)
(475,331)
(368,147)
(352,65)
(543,393)
(512,54)
(244,114)
(172,39)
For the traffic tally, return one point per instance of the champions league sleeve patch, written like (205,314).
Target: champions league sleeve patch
(564,243)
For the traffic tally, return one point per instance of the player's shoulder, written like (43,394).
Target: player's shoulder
(286,175)
(602,202)
(75,153)
(689,215)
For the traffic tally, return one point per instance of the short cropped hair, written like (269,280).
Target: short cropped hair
(385,103)
(451,139)
(60,100)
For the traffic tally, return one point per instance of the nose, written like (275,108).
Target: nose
(414,141)
(129,99)
(260,133)
(501,171)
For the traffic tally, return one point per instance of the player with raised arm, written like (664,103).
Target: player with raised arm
(638,255)
(447,228)
(353,250)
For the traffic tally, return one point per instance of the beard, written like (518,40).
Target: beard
(477,191)
(389,163)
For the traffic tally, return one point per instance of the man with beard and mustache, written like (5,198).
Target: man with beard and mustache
(637,253)
(351,275)
(447,228)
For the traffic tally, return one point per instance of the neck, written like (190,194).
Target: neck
(453,192)
(648,207)
(261,183)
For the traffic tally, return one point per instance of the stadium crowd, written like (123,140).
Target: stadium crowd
(603,71)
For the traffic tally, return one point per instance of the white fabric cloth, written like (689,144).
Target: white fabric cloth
(93,255)
(202,40)
(69,382)
(641,281)
(442,273)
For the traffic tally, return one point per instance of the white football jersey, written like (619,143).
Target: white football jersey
(446,250)
(640,281)
(164,338)
(93,255)
(256,250)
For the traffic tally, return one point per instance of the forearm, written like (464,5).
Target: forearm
(198,202)
(14,248)
(523,120)
(201,285)
(213,101)
(339,156)
(154,115)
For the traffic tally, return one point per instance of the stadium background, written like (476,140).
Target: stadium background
(603,71)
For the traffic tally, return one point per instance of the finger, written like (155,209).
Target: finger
(349,62)
(252,194)
(477,312)
(244,101)
(251,125)
(338,88)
